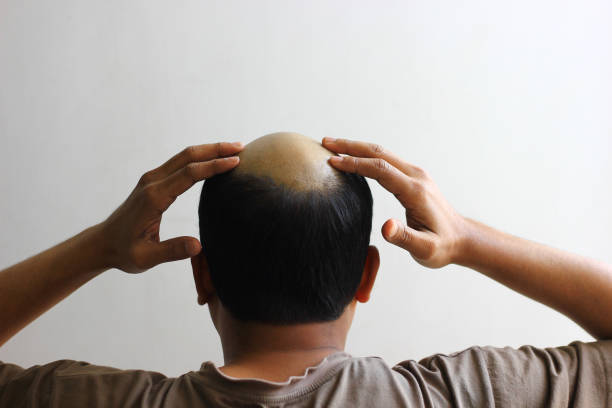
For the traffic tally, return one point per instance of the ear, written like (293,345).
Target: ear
(201,277)
(368,277)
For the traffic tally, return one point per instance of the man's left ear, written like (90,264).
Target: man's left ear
(201,277)
(370,269)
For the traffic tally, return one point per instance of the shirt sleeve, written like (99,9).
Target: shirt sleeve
(69,383)
(577,375)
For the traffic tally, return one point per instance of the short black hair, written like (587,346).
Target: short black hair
(282,256)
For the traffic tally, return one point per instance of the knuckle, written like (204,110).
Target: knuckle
(219,148)
(418,189)
(213,167)
(190,153)
(191,171)
(377,150)
(405,235)
(381,165)
(419,172)
(355,163)
(146,178)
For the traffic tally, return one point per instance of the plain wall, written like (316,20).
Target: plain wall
(506,104)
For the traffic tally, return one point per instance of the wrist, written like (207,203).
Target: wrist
(96,246)
(467,242)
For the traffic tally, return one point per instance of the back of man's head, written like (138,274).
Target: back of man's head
(285,235)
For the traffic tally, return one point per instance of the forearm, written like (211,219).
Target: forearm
(31,287)
(574,285)
(127,240)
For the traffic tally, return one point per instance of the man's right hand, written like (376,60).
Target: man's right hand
(433,232)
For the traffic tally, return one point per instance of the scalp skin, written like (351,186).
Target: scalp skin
(290,159)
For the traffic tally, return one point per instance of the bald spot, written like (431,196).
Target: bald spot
(290,159)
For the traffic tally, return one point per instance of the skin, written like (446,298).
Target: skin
(272,352)
(433,233)
(291,159)
(127,240)
(276,352)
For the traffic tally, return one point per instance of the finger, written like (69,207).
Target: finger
(371,150)
(194,154)
(182,179)
(418,243)
(173,249)
(393,180)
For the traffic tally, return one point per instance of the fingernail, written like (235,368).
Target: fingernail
(232,159)
(335,159)
(329,139)
(237,144)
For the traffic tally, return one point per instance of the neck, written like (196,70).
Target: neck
(276,352)
(257,340)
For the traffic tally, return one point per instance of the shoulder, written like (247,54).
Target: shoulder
(499,375)
(486,357)
(67,368)
(77,383)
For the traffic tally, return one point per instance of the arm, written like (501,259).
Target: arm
(127,240)
(436,235)
(576,286)
(33,286)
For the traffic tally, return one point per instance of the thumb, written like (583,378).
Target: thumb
(416,242)
(174,249)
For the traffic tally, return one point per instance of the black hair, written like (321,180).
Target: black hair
(282,256)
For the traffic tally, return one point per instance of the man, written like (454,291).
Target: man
(284,259)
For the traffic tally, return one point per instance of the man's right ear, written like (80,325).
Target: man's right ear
(201,277)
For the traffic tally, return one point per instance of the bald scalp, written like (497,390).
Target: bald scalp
(289,159)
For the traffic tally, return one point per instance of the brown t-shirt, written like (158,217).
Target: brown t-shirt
(578,375)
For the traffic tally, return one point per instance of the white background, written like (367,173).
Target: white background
(506,104)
